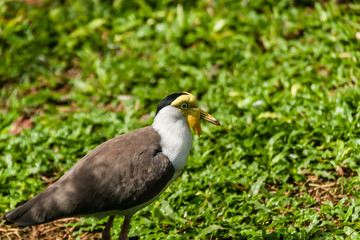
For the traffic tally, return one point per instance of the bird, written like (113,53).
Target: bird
(123,174)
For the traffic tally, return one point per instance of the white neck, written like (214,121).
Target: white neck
(175,133)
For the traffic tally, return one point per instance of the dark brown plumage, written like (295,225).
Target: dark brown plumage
(101,181)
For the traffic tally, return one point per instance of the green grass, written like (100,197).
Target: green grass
(281,76)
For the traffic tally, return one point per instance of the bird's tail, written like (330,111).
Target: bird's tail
(40,209)
(21,216)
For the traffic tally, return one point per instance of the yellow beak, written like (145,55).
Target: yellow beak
(193,117)
(207,117)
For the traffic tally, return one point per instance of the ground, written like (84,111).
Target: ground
(282,77)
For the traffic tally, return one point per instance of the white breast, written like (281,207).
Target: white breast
(175,133)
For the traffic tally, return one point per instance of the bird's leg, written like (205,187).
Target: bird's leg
(106,232)
(125,228)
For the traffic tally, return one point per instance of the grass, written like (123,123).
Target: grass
(281,76)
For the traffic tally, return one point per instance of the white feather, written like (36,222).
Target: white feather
(176,137)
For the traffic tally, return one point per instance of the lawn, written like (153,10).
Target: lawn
(281,76)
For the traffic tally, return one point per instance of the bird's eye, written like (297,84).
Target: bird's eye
(184,106)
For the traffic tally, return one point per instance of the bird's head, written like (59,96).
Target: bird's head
(187,104)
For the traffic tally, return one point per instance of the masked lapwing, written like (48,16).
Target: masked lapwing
(124,174)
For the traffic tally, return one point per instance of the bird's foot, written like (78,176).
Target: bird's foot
(125,228)
(106,232)
(123,236)
(106,235)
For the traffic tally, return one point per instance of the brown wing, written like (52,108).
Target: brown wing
(119,174)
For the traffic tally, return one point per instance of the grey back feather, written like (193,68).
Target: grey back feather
(119,174)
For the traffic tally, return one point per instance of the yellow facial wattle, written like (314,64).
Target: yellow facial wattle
(188,105)
(193,118)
